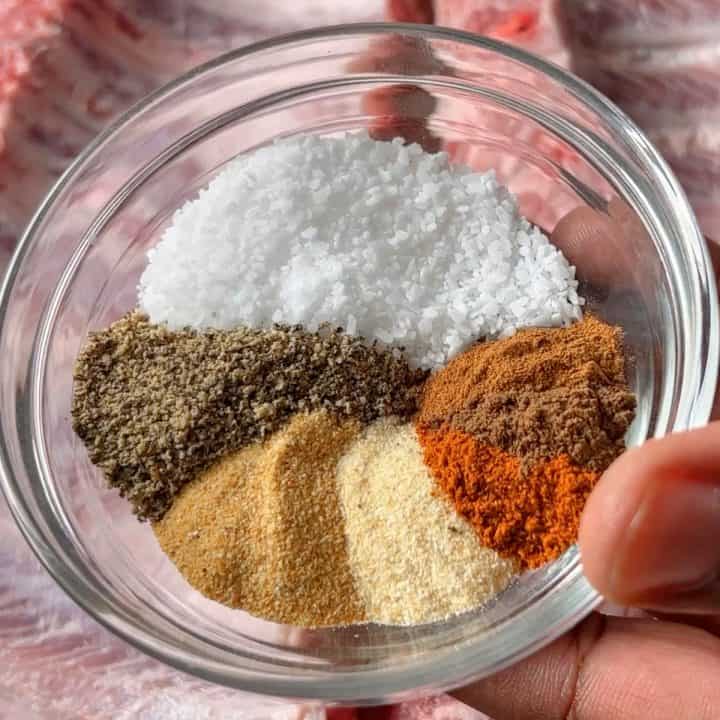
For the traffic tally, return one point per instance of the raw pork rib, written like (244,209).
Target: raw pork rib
(529,24)
(68,66)
(660,61)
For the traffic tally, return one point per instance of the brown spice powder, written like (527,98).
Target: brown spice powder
(262,529)
(539,394)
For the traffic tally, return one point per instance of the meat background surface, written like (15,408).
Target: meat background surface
(68,66)
(660,61)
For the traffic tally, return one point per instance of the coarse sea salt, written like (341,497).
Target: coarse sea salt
(380,238)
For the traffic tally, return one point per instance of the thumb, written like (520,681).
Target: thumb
(650,533)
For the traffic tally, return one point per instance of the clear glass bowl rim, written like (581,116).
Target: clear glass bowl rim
(385,683)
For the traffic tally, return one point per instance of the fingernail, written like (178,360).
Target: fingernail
(672,545)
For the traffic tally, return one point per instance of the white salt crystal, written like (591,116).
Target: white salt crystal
(380,238)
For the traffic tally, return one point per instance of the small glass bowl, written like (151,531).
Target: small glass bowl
(554,141)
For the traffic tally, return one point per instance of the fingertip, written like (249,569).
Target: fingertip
(648,535)
(607,515)
(587,238)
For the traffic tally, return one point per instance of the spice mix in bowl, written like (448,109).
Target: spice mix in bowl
(342,347)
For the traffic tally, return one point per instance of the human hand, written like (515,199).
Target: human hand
(649,538)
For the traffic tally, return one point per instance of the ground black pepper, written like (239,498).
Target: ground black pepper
(155,407)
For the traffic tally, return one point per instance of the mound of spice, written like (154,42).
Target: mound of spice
(155,407)
(541,393)
(531,517)
(517,431)
(391,242)
(324,524)
(414,559)
(262,529)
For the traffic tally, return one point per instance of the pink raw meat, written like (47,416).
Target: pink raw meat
(661,85)
(68,66)
(660,61)
(625,23)
(441,707)
(529,24)
(22,28)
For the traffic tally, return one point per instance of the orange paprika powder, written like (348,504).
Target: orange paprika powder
(531,516)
